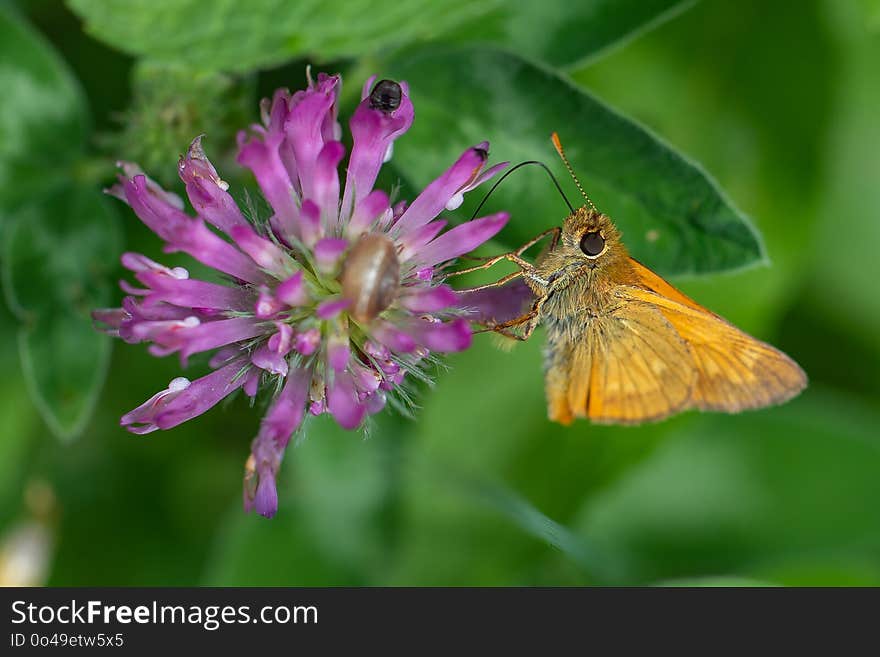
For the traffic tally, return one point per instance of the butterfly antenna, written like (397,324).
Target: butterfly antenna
(518,166)
(558,146)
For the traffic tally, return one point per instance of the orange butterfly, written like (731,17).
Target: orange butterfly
(623,345)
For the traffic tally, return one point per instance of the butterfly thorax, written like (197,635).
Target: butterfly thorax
(578,284)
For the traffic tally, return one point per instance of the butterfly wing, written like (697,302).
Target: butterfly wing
(734,370)
(624,367)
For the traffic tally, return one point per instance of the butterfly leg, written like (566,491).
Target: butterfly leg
(556,231)
(485,265)
(498,283)
(531,320)
(513,256)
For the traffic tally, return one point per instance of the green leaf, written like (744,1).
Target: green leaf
(333,490)
(16,430)
(491,485)
(564,33)
(751,496)
(56,270)
(57,238)
(235,36)
(871,10)
(672,213)
(600,567)
(853,148)
(43,122)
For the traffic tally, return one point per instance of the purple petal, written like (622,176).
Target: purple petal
(149,312)
(206,191)
(153,208)
(262,157)
(367,86)
(129,171)
(461,239)
(442,336)
(392,379)
(455,202)
(392,337)
(389,367)
(282,341)
(293,291)
(191,293)
(262,251)
(343,404)
(330,129)
(325,183)
(375,402)
(128,288)
(191,336)
(223,356)
(366,379)
(138,262)
(267,449)
(288,409)
(415,240)
(369,209)
(161,330)
(266,500)
(432,201)
(143,418)
(201,395)
(267,305)
(305,125)
(331,308)
(109,320)
(327,253)
(311,228)
(378,351)
(210,335)
(498,304)
(273,113)
(373,131)
(428,299)
(191,236)
(209,249)
(338,351)
(269,360)
(274,118)
(307,342)
(251,382)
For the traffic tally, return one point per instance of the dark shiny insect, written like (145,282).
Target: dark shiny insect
(386,95)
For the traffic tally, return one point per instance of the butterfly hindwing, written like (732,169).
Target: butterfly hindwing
(734,370)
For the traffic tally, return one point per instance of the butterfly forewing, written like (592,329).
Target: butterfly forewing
(734,370)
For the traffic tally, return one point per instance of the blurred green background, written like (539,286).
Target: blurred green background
(779,102)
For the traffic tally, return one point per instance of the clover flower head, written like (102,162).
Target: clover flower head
(329,303)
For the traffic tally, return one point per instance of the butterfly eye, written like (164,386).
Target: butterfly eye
(386,96)
(592,244)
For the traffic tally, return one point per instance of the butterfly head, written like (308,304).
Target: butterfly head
(588,236)
(589,246)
